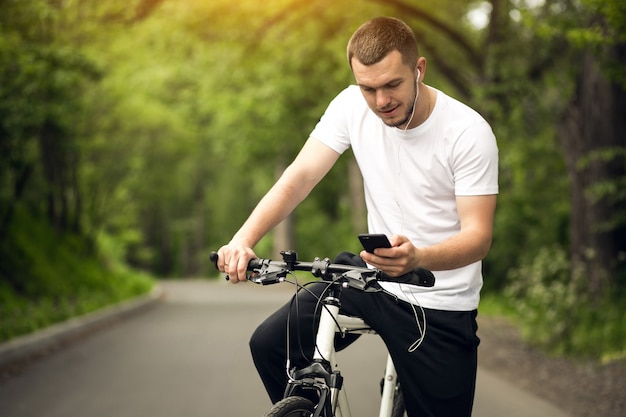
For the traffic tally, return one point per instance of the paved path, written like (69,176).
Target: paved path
(188,356)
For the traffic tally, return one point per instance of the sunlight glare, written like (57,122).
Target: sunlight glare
(478,15)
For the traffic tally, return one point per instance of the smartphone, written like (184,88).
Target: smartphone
(373,241)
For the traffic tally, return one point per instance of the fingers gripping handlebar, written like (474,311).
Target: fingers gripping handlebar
(253,264)
(267,271)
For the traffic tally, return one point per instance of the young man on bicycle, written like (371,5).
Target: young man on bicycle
(430,170)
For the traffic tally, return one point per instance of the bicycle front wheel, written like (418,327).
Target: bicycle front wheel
(399,408)
(292,407)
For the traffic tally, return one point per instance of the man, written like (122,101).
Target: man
(430,168)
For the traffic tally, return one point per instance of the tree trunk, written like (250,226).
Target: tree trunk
(594,122)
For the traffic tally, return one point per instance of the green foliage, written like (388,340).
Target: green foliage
(323,227)
(533,205)
(551,306)
(40,97)
(611,192)
(213,120)
(171,119)
(46,277)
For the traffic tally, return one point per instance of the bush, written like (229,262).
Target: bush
(47,277)
(551,304)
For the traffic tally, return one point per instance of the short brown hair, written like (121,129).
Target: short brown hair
(375,39)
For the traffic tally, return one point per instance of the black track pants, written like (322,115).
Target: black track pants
(438,378)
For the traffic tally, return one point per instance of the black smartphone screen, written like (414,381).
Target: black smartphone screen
(373,241)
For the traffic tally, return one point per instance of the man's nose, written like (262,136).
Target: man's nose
(382,98)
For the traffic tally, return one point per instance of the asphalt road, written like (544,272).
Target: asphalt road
(188,356)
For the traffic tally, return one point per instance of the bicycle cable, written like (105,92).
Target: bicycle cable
(294,300)
(421,329)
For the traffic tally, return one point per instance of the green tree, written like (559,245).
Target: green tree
(591,133)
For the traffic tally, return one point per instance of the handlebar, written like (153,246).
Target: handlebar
(267,271)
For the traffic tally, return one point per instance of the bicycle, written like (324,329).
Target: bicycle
(322,376)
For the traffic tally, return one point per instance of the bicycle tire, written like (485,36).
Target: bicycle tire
(398,408)
(292,407)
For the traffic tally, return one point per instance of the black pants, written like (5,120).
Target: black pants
(438,378)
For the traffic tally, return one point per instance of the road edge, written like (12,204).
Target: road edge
(38,343)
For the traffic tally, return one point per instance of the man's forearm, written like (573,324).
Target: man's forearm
(456,252)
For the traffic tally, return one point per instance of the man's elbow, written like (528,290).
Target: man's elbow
(484,247)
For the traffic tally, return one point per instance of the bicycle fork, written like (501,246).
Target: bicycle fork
(322,375)
(325,352)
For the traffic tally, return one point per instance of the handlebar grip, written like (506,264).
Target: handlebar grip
(214,257)
(419,276)
(252,263)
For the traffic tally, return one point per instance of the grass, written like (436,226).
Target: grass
(46,278)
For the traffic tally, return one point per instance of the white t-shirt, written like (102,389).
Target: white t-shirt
(412,178)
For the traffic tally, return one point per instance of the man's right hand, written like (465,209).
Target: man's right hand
(233,260)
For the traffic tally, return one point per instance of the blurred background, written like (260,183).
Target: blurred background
(137,135)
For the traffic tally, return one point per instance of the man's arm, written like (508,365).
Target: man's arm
(471,244)
(310,166)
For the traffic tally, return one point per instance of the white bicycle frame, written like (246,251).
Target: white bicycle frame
(325,349)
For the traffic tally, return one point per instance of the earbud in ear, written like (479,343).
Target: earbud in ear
(417,79)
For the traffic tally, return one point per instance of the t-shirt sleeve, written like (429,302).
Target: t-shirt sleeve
(475,161)
(333,127)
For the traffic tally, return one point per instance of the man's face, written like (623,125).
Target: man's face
(389,88)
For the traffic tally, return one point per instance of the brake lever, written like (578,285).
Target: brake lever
(267,274)
(359,279)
